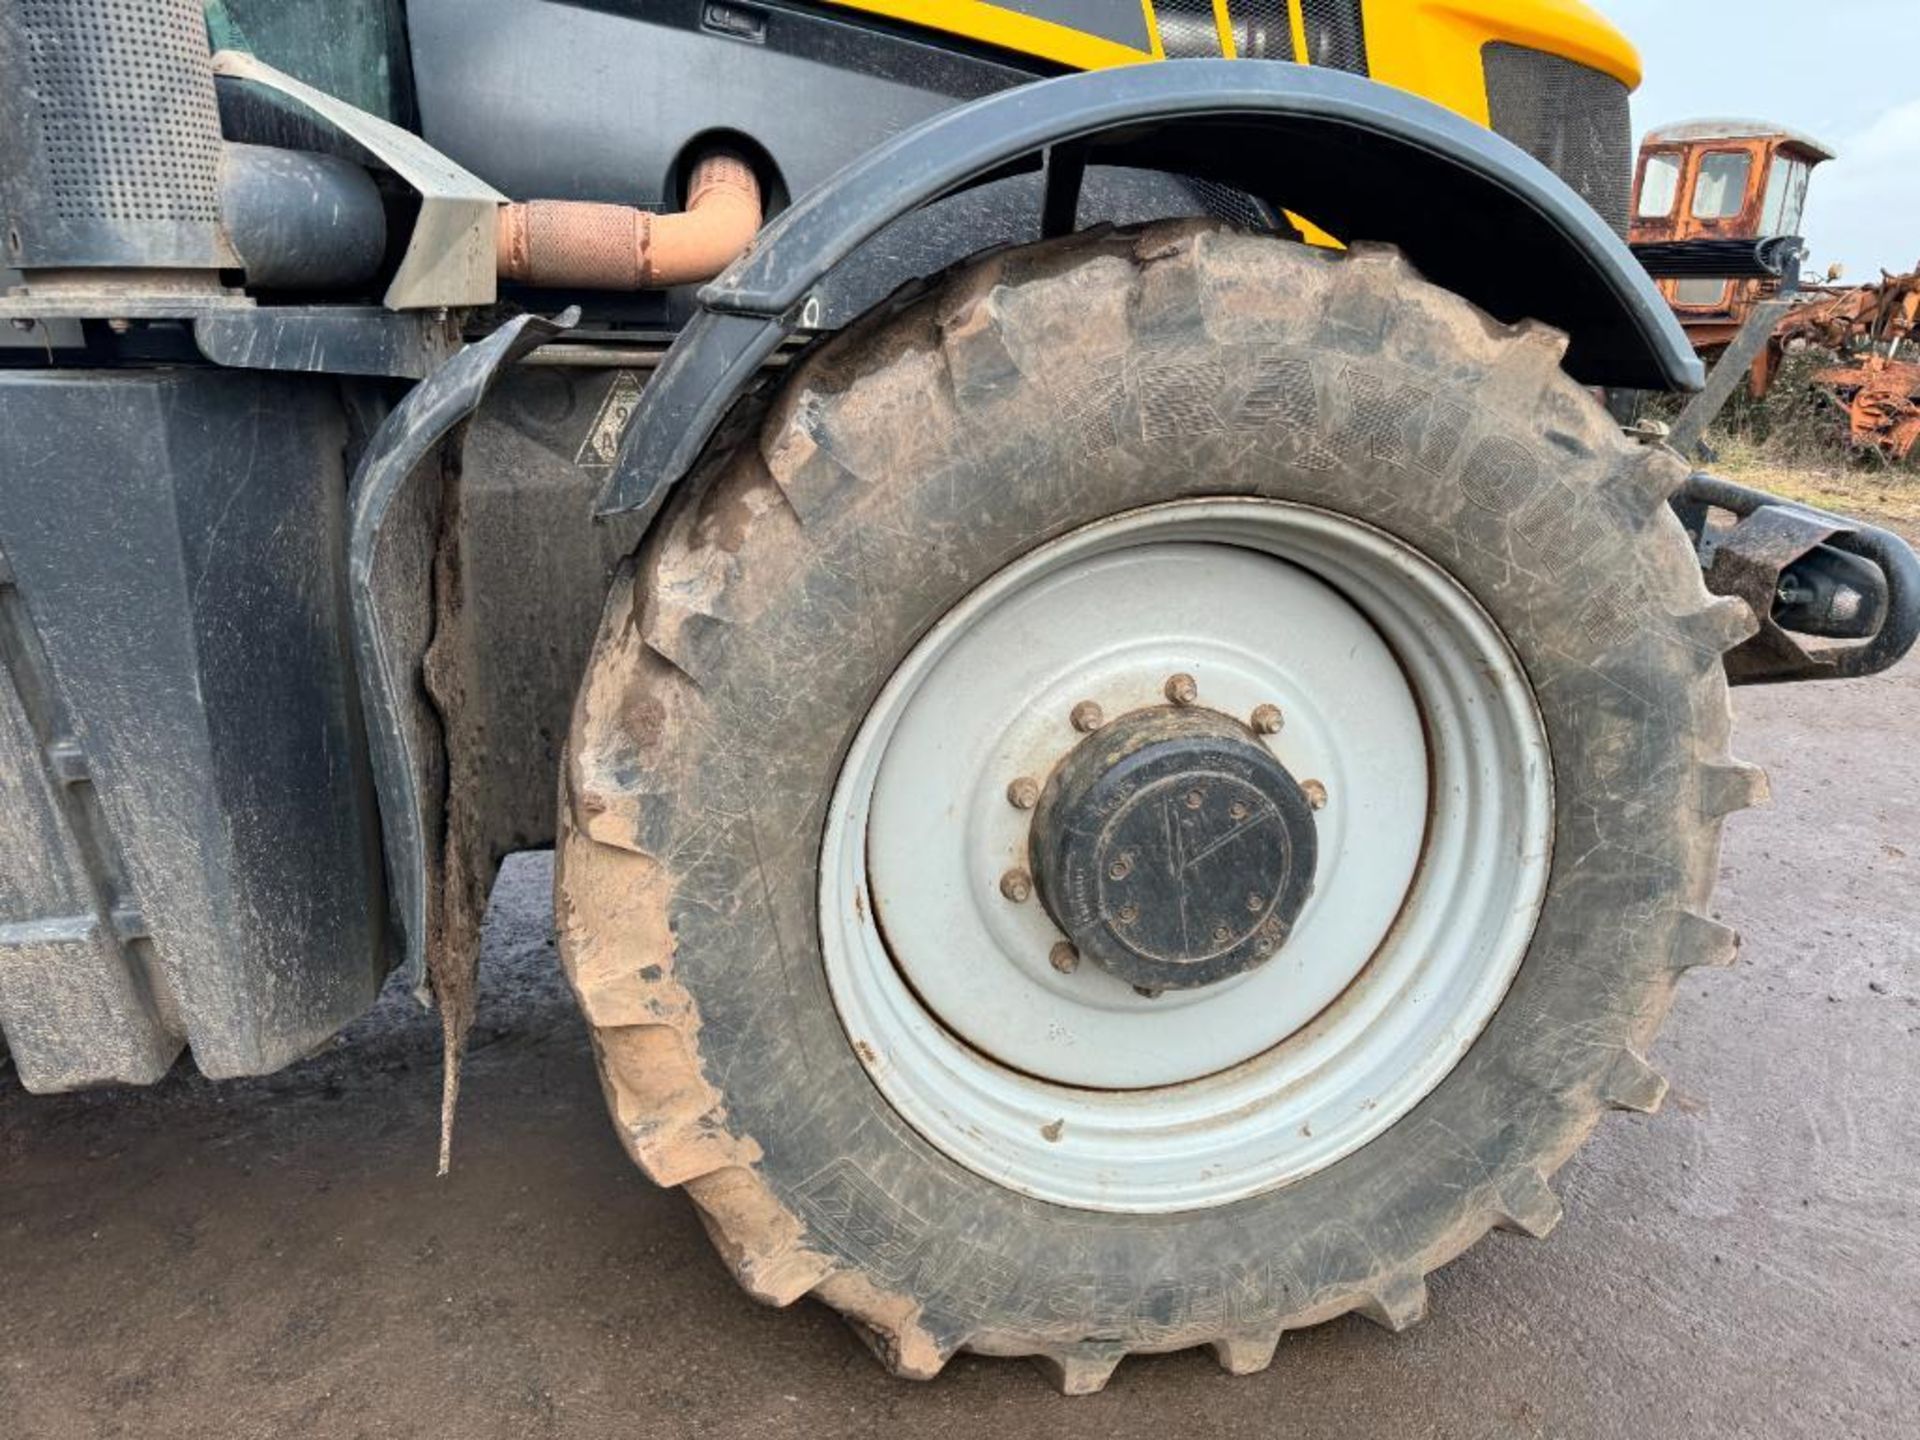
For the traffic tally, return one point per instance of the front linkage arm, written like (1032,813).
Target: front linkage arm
(1806,575)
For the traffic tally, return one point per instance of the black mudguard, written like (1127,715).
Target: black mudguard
(1367,162)
(398,511)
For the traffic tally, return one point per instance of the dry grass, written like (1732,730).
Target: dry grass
(1794,443)
(1866,489)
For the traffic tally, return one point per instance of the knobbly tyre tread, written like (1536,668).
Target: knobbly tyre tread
(678,837)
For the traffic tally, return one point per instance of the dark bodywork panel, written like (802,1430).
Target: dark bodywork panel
(1122,21)
(193,846)
(185,779)
(632,87)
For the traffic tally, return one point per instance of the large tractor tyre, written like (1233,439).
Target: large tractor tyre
(1156,803)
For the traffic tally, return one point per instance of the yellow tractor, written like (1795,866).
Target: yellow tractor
(1134,760)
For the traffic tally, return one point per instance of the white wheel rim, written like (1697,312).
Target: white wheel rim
(1400,696)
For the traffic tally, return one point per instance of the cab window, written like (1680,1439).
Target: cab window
(1659,185)
(1701,294)
(1786,196)
(1721,191)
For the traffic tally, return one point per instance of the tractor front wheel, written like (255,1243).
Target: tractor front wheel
(1153,805)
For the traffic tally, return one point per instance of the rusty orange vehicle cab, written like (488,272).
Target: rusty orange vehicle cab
(1721,180)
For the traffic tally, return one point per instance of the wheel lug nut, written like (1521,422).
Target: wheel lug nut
(1024,793)
(1195,800)
(1182,689)
(1267,719)
(1087,717)
(1016,885)
(1120,868)
(1315,792)
(1064,957)
(1255,904)
(1129,914)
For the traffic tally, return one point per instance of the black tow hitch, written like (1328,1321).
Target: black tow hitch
(1808,576)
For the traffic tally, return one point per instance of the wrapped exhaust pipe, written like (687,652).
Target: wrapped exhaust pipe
(584,245)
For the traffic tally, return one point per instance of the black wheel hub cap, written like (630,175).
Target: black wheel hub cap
(1173,849)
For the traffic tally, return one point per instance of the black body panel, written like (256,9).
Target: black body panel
(193,852)
(601,101)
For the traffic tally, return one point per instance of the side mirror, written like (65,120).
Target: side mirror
(1835,273)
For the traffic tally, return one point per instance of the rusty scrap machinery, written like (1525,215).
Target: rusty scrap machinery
(1717,219)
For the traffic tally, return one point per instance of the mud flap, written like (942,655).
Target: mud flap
(404,585)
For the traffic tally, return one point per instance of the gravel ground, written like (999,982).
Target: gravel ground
(275,1257)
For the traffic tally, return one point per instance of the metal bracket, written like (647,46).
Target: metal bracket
(1691,428)
(1805,574)
(119,295)
(329,339)
(450,258)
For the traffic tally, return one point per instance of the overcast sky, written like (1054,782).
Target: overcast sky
(1846,71)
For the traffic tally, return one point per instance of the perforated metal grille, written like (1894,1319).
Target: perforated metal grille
(1236,207)
(1575,120)
(1336,37)
(1188,29)
(1263,30)
(126,103)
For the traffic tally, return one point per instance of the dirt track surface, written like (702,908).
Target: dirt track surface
(276,1258)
